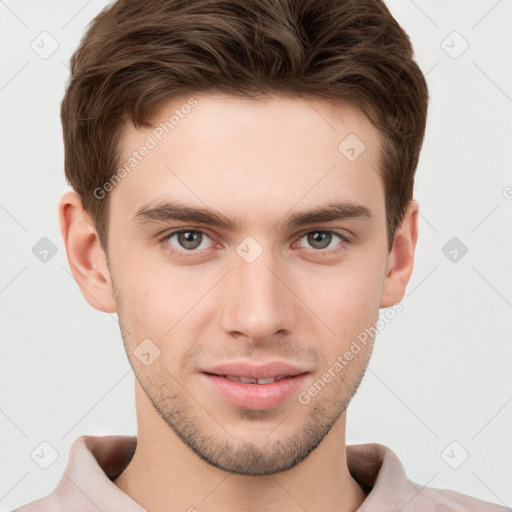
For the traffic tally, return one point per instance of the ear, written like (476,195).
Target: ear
(86,257)
(401,258)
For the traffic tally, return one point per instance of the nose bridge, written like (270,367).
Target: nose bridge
(260,304)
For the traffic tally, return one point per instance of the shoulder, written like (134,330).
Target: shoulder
(53,501)
(447,500)
(45,504)
(379,472)
(86,484)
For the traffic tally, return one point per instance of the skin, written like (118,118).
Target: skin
(254,161)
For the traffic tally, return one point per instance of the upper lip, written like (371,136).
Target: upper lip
(252,371)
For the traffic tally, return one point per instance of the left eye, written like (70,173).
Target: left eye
(321,239)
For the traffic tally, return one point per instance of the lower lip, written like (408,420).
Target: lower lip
(255,396)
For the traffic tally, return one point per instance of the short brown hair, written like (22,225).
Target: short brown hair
(137,55)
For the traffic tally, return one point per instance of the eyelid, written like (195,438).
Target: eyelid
(190,254)
(324,252)
(175,231)
(340,233)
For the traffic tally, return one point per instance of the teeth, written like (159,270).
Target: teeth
(245,380)
(266,381)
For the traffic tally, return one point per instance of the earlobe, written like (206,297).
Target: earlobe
(401,258)
(86,257)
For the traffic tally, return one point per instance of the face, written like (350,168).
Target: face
(229,324)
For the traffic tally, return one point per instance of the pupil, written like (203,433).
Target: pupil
(189,238)
(320,236)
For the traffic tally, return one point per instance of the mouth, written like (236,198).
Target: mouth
(255,387)
(249,380)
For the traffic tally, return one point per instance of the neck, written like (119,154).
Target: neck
(166,475)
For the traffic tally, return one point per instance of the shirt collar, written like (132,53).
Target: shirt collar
(95,461)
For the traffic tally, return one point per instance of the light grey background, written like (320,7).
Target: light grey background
(441,369)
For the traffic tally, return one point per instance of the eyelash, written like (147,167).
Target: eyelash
(193,253)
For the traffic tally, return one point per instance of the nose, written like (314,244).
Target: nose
(258,302)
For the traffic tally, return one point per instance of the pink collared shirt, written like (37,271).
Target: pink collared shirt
(95,461)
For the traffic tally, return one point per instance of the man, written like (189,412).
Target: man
(243,175)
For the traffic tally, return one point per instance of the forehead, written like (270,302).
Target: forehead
(260,156)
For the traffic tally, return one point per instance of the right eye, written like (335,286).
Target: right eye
(185,242)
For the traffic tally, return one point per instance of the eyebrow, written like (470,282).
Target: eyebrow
(178,211)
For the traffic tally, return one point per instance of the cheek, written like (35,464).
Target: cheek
(160,300)
(164,308)
(346,307)
(144,306)
(345,295)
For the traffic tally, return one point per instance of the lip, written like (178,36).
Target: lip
(255,396)
(252,371)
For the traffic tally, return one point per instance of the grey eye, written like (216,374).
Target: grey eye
(320,239)
(188,239)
